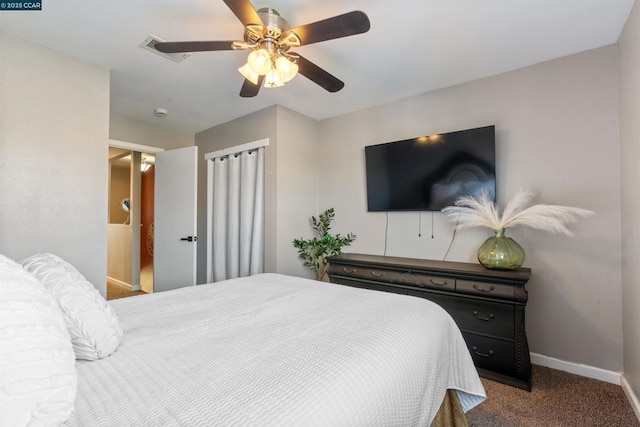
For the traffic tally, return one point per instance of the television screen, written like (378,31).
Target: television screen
(429,173)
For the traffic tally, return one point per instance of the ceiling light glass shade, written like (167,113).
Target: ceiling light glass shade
(144,166)
(286,68)
(260,61)
(249,74)
(272,79)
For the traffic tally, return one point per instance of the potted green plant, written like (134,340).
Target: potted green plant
(315,251)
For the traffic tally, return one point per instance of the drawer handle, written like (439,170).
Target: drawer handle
(348,270)
(491,288)
(486,319)
(437,283)
(374,274)
(475,350)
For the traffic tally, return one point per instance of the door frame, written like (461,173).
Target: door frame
(134,220)
(134,147)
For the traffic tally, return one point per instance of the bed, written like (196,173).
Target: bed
(265,350)
(274,350)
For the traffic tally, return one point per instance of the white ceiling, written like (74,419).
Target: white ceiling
(413,47)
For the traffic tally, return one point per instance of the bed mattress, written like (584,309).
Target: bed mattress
(275,350)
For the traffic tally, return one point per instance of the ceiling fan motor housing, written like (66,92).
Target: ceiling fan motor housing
(272,30)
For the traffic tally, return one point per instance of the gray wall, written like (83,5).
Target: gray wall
(557,134)
(629,60)
(53,157)
(299,158)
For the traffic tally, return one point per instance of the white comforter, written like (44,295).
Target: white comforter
(274,350)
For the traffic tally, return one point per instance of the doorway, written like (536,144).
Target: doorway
(130,227)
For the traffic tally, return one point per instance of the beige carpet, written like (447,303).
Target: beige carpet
(558,399)
(115,291)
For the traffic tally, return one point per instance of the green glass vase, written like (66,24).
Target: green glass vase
(501,253)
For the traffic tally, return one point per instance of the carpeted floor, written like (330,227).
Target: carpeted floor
(115,291)
(558,399)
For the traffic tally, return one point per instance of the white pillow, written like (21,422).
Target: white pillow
(38,381)
(93,325)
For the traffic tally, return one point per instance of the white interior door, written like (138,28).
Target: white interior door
(175,241)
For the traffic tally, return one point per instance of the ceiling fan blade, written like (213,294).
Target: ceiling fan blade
(348,24)
(318,75)
(249,90)
(198,46)
(245,12)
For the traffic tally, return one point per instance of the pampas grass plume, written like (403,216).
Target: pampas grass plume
(480,211)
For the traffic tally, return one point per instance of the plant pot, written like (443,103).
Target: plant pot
(501,253)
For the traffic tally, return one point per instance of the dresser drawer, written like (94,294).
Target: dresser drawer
(399,277)
(491,354)
(426,281)
(369,273)
(487,289)
(485,317)
(475,315)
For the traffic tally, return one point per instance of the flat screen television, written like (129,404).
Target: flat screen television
(429,173)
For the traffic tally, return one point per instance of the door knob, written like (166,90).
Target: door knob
(190,238)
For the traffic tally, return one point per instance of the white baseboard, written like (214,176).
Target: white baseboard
(125,284)
(612,377)
(633,399)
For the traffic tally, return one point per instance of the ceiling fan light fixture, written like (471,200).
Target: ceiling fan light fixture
(286,69)
(249,74)
(260,61)
(272,79)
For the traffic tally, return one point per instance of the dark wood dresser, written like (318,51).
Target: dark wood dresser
(487,305)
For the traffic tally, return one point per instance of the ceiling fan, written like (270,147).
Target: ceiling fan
(270,38)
